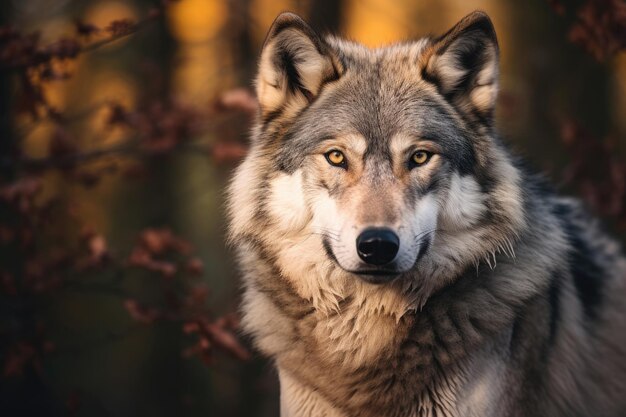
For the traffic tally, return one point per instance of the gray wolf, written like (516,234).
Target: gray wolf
(397,259)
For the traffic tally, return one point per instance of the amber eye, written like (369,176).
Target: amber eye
(336,158)
(420,158)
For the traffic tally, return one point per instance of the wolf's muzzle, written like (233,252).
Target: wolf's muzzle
(377,246)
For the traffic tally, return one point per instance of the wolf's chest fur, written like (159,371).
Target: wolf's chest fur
(366,361)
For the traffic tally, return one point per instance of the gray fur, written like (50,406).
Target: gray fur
(511,305)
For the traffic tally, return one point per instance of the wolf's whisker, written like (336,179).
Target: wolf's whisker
(421,235)
(325,235)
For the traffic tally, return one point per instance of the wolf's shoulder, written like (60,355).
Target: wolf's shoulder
(595,260)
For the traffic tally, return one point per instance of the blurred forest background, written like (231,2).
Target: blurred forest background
(120,122)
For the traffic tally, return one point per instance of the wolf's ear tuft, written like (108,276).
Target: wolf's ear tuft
(463,64)
(294,66)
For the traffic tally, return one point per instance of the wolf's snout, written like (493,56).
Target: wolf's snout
(377,246)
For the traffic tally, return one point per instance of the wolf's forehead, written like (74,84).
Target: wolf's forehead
(377,108)
(381,92)
(354,54)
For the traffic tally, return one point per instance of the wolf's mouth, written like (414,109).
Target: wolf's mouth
(377,276)
(380,275)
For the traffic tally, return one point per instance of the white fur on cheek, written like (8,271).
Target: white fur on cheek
(287,206)
(241,206)
(422,222)
(465,203)
(328,220)
(426,214)
(325,212)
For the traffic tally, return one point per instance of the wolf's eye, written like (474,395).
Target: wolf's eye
(336,158)
(419,158)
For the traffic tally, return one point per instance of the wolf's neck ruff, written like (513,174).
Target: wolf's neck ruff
(401,140)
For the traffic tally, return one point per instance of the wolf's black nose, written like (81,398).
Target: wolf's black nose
(377,246)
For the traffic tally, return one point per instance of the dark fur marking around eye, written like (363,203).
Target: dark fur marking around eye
(333,190)
(433,185)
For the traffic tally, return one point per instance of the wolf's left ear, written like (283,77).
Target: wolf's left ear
(295,64)
(463,64)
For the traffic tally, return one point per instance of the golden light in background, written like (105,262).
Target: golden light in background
(102,86)
(378,22)
(263,13)
(194,21)
(204,67)
(35,143)
(202,72)
(87,87)
(106,84)
(102,13)
(203,62)
(96,83)
(111,87)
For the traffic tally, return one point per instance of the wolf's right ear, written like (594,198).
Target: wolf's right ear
(463,64)
(295,64)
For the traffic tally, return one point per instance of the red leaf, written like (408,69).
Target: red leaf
(17,358)
(139,313)
(227,341)
(239,99)
(225,151)
(85,29)
(122,27)
(195,267)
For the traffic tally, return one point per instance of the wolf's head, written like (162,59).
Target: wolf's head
(373,164)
